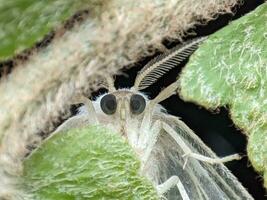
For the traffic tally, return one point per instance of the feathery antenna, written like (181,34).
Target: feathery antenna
(164,63)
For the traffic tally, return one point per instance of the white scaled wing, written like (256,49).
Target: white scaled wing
(202,181)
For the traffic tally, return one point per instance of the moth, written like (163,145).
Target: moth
(172,156)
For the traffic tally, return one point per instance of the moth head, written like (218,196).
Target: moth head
(123,103)
(131,101)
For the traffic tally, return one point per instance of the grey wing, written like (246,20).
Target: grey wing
(201,180)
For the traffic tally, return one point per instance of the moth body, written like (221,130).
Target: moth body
(176,161)
(165,146)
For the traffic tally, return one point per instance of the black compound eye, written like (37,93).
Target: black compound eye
(137,104)
(108,104)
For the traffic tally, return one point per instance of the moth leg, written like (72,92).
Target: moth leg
(147,119)
(80,120)
(170,183)
(213,160)
(189,153)
(89,107)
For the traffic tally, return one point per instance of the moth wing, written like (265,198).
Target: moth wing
(201,180)
(76,121)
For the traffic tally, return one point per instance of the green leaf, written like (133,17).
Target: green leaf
(25,22)
(90,163)
(230,69)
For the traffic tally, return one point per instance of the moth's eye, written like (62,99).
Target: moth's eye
(137,104)
(108,104)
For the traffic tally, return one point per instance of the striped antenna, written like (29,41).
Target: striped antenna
(160,65)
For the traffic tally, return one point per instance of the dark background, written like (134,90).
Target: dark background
(215,128)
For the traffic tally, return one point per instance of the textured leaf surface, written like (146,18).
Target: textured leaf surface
(230,69)
(89,163)
(24,22)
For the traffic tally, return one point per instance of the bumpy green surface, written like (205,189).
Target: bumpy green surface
(24,22)
(230,69)
(90,163)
